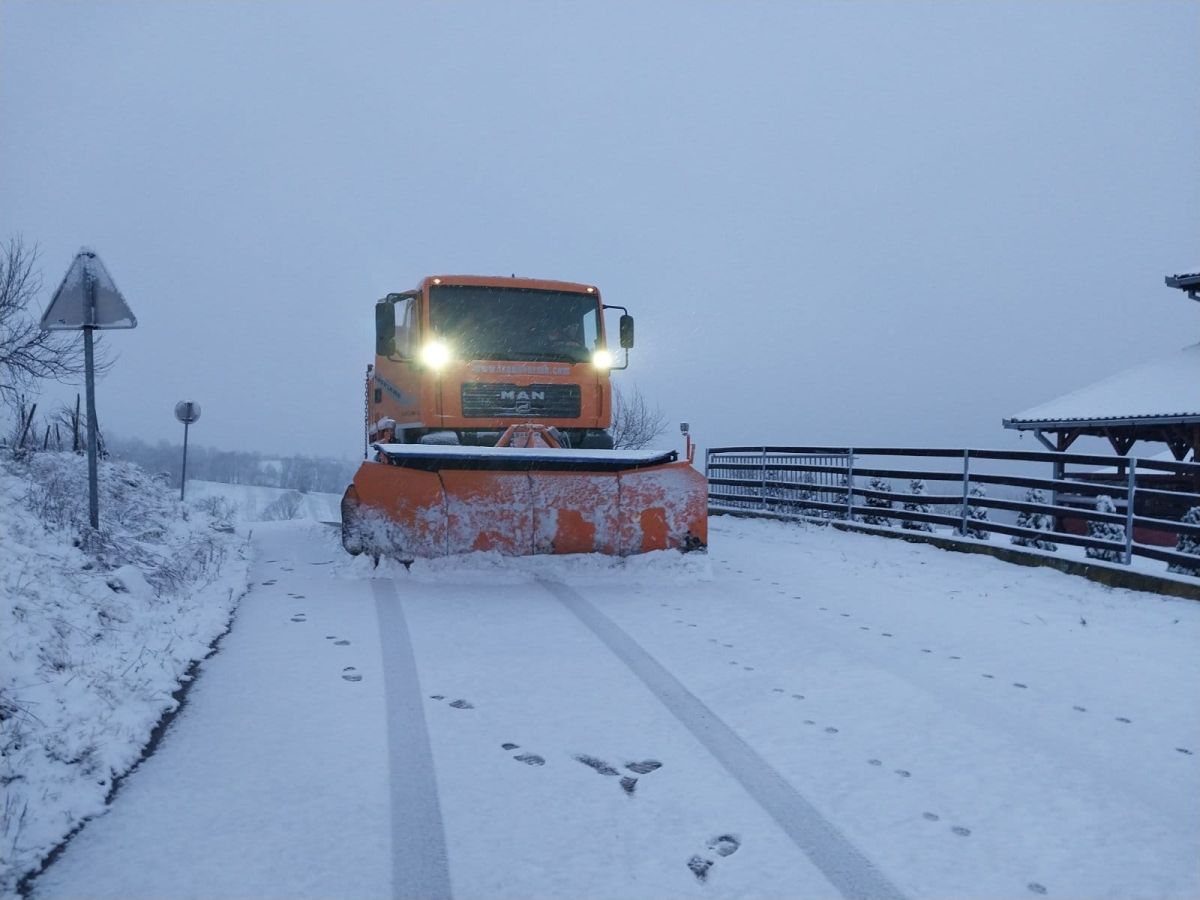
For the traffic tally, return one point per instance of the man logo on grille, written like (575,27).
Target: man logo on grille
(525,396)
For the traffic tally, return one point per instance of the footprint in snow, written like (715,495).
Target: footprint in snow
(723,845)
(456,704)
(645,767)
(268,583)
(299,617)
(350,674)
(627,782)
(342,643)
(530,759)
(700,866)
(595,764)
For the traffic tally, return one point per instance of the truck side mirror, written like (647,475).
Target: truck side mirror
(385,328)
(626,331)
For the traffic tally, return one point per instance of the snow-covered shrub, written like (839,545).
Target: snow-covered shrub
(1188,544)
(977,514)
(917,487)
(284,507)
(1106,531)
(1038,521)
(222,510)
(878,483)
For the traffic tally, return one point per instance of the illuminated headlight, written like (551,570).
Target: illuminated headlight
(435,354)
(602,359)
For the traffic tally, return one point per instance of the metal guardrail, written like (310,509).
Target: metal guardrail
(855,484)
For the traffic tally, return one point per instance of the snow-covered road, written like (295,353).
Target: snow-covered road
(803,713)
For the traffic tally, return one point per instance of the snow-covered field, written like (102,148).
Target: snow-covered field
(252,503)
(95,636)
(801,713)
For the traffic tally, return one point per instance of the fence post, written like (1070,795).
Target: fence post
(1130,497)
(707,486)
(966,489)
(850,485)
(762,494)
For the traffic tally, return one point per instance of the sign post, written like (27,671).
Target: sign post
(86,300)
(187,412)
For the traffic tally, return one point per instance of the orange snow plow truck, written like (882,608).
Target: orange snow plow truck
(488,410)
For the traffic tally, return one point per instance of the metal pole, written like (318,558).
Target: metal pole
(1130,497)
(966,489)
(183,477)
(762,497)
(89,318)
(850,485)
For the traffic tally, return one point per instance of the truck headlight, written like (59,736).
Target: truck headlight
(602,359)
(435,355)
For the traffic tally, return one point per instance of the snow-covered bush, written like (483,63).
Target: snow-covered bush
(1106,531)
(284,507)
(1038,521)
(878,483)
(977,514)
(96,631)
(222,510)
(1188,544)
(917,487)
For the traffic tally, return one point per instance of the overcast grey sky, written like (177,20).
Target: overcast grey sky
(835,222)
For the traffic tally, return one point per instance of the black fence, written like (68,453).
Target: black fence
(1146,499)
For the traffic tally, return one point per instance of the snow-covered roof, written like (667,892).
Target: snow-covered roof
(1186,281)
(1163,390)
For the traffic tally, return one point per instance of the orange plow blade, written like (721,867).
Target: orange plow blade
(422,501)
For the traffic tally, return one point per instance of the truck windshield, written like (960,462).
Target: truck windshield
(515,323)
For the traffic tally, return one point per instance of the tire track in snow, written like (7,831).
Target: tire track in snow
(843,864)
(419,866)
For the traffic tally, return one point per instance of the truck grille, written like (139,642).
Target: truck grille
(549,401)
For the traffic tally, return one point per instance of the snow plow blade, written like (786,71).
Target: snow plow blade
(428,501)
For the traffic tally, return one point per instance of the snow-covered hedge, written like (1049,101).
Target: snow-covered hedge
(96,633)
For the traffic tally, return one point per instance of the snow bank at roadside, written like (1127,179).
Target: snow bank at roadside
(96,634)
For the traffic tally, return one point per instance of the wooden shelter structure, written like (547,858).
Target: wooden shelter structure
(1158,401)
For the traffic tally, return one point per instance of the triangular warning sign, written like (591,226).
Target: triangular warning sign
(87,286)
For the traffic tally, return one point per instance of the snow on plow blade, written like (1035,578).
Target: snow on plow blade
(428,500)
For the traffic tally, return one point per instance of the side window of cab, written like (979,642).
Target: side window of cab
(406,327)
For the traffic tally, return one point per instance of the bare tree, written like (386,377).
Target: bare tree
(28,354)
(634,423)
